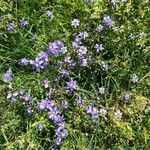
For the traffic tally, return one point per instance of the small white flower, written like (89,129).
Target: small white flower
(102,90)
(75,23)
(103,111)
(135,78)
(118,114)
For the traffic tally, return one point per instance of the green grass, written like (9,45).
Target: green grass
(125,57)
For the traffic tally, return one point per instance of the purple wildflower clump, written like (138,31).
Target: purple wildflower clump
(42,105)
(8,75)
(79,101)
(64,73)
(82,50)
(24,23)
(27,97)
(75,23)
(108,21)
(61,133)
(11,27)
(83,62)
(83,35)
(69,62)
(92,110)
(40,62)
(55,48)
(22,95)
(24,62)
(76,44)
(54,113)
(72,85)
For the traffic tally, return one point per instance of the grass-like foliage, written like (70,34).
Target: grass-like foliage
(74,75)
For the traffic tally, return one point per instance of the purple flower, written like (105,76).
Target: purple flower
(64,50)
(75,23)
(24,23)
(79,101)
(50,14)
(69,62)
(29,110)
(45,83)
(99,28)
(72,85)
(51,105)
(8,75)
(42,105)
(64,73)
(99,47)
(24,62)
(58,141)
(83,35)
(11,27)
(108,22)
(82,50)
(93,111)
(40,62)
(40,127)
(75,44)
(61,132)
(118,114)
(83,61)
(55,48)
(64,104)
(57,118)
(126,97)
(89,1)
(27,97)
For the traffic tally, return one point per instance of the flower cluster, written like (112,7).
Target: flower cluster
(22,95)
(54,114)
(55,48)
(8,75)
(11,27)
(24,23)
(72,85)
(93,111)
(108,22)
(40,62)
